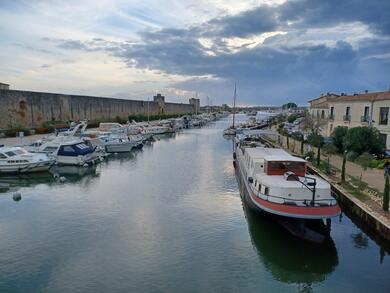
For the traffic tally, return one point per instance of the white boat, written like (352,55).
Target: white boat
(277,184)
(18,160)
(120,143)
(75,152)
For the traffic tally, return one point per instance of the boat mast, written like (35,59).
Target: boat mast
(234,103)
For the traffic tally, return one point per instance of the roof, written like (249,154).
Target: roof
(271,154)
(376,96)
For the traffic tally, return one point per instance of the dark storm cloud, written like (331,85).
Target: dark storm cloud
(374,13)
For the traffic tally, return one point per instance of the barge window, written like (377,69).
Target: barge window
(279,168)
(10,154)
(266,190)
(259,187)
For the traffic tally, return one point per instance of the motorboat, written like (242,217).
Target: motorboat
(120,143)
(277,183)
(75,152)
(19,160)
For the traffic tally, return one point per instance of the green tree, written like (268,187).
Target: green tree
(329,149)
(364,139)
(386,195)
(316,140)
(364,160)
(338,137)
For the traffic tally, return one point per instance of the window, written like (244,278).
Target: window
(266,191)
(82,146)
(68,148)
(383,115)
(10,154)
(331,111)
(259,187)
(2,156)
(366,111)
(384,139)
(322,114)
(347,116)
(279,168)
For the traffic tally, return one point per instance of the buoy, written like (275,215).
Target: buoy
(17,196)
(85,165)
(62,179)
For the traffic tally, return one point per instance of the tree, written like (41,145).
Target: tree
(329,149)
(343,166)
(289,106)
(338,137)
(364,139)
(316,140)
(364,160)
(299,137)
(386,195)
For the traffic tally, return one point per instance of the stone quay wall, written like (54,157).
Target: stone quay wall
(32,109)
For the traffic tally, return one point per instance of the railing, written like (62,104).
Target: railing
(298,202)
(347,118)
(365,118)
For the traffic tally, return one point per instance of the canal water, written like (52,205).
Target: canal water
(168,218)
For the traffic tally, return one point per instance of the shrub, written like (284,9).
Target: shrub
(13,131)
(292,118)
(309,156)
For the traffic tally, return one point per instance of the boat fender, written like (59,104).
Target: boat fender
(234,164)
(17,196)
(85,165)
(234,155)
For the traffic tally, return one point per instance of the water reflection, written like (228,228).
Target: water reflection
(290,259)
(57,175)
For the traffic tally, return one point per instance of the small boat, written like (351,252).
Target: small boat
(18,160)
(120,143)
(75,153)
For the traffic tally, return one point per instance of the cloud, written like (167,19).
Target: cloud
(276,50)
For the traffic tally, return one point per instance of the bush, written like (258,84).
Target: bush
(13,131)
(292,118)
(338,137)
(364,139)
(309,156)
(352,156)
(377,164)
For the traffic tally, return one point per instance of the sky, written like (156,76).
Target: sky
(275,51)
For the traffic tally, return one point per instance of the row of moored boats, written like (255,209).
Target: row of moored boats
(80,146)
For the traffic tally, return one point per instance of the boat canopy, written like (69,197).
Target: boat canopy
(79,149)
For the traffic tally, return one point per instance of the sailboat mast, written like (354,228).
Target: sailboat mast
(234,104)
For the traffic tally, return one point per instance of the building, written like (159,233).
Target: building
(4,86)
(319,111)
(196,103)
(367,109)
